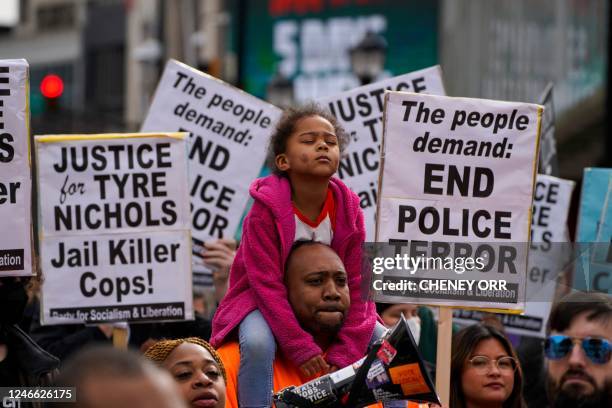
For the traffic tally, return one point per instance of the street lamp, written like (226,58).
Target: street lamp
(280,91)
(368,57)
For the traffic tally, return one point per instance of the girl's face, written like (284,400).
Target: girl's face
(312,149)
(484,381)
(198,376)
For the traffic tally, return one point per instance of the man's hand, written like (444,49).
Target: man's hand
(219,255)
(107,329)
(313,366)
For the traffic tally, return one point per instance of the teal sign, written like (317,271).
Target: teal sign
(594,233)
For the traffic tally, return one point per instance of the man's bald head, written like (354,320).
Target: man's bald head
(107,377)
(317,288)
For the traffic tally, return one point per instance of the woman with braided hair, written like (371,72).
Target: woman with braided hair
(195,366)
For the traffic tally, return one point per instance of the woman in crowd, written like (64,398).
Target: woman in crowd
(196,367)
(484,370)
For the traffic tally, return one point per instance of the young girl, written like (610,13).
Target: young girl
(301,201)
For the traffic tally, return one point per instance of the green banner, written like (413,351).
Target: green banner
(309,40)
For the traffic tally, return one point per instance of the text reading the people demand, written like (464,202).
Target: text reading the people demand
(228,131)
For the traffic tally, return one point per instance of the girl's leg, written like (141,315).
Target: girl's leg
(257,350)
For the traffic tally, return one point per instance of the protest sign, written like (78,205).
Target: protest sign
(15,175)
(115,232)
(548,163)
(594,232)
(360,112)
(228,134)
(549,254)
(455,196)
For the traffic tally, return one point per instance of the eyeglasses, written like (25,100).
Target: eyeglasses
(482,364)
(596,349)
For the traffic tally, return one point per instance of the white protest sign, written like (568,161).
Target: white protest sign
(229,131)
(115,231)
(457,178)
(15,174)
(360,112)
(549,253)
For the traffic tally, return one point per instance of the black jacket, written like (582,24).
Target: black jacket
(35,367)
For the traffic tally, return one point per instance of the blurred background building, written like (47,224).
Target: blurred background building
(510,50)
(109,54)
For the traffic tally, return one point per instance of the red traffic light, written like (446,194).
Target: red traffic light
(52,86)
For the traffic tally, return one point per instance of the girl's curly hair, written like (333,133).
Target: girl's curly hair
(286,126)
(160,351)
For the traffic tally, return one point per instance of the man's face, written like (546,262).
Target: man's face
(317,288)
(575,377)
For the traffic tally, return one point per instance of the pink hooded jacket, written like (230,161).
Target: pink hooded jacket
(256,277)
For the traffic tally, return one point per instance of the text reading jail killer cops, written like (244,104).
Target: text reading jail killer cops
(133,251)
(139,185)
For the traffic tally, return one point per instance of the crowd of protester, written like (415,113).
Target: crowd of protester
(291,309)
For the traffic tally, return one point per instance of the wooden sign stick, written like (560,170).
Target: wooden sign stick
(443,359)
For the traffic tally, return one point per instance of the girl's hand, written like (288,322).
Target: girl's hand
(313,366)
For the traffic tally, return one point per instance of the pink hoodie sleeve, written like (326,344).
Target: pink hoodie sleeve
(355,334)
(266,278)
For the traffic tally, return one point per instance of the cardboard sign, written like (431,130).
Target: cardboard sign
(228,135)
(456,189)
(594,232)
(360,112)
(115,232)
(549,254)
(15,174)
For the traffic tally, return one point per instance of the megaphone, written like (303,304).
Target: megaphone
(393,370)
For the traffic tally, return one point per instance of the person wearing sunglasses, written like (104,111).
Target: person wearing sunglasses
(578,351)
(484,370)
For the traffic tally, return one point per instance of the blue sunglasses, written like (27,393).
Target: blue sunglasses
(596,349)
